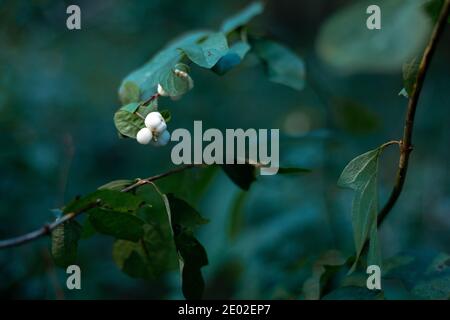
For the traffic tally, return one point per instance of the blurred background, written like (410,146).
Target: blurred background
(58,94)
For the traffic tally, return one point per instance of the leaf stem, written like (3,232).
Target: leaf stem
(389,143)
(406,143)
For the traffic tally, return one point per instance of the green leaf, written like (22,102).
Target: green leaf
(109,199)
(117,185)
(150,257)
(282,65)
(242,175)
(410,71)
(117,224)
(243,17)
(348,45)
(88,229)
(161,69)
(193,283)
(194,258)
(192,254)
(130,93)
(234,57)
(183,213)
(65,243)
(131,107)
(127,123)
(361,175)
(189,185)
(207,52)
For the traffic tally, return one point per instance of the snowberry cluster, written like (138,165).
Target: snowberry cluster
(155,131)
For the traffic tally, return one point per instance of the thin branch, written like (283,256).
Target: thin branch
(48,228)
(406,145)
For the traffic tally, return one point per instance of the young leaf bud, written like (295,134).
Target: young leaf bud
(144,136)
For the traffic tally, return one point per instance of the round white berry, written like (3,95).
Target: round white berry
(162,139)
(153,120)
(161,91)
(160,128)
(144,136)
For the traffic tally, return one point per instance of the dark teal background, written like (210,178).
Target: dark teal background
(58,94)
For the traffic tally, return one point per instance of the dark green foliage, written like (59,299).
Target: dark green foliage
(242,175)
(65,243)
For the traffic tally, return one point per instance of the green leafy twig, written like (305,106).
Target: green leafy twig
(48,228)
(406,143)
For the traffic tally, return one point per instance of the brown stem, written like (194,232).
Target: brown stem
(406,145)
(48,228)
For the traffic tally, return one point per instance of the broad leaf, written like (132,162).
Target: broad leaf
(128,123)
(183,213)
(361,176)
(347,44)
(282,65)
(242,175)
(65,243)
(130,93)
(192,254)
(148,258)
(109,199)
(234,57)
(194,257)
(207,52)
(131,107)
(88,229)
(243,17)
(161,70)
(120,225)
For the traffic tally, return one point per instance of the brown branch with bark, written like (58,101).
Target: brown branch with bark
(406,143)
(48,228)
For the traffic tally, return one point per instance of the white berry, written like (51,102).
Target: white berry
(161,91)
(153,120)
(144,136)
(162,139)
